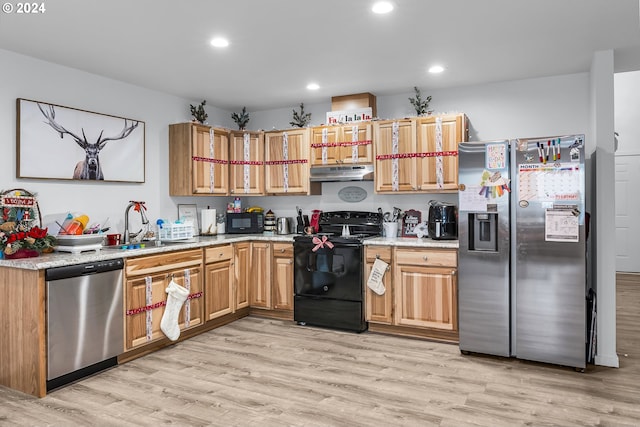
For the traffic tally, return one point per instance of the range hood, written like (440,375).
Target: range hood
(342,173)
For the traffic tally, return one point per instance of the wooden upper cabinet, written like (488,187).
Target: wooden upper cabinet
(395,164)
(342,144)
(287,162)
(438,138)
(198,160)
(246,160)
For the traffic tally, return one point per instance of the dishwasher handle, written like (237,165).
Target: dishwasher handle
(67,271)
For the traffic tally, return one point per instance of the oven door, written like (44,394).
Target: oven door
(334,273)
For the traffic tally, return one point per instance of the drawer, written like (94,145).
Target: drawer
(148,265)
(431,257)
(283,250)
(218,253)
(373,252)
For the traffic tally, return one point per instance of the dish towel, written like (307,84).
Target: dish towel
(177,295)
(376,276)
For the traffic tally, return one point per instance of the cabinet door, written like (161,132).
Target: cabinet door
(379,308)
(198,160)
(425,297)
(395,171)
(282,277)
(438,139)
(139,309)
(242,270)
(287,162)
(260,275)
(325,153)
(218,289)
(246,163)
(357,144)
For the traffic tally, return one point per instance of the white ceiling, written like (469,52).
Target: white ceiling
(278,46)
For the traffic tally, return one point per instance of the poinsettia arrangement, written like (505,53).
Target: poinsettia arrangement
(14,238)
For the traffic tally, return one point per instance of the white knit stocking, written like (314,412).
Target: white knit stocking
(177,295)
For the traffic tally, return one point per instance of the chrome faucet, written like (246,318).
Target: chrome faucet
(138,206)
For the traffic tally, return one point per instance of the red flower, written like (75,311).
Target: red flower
(37,232)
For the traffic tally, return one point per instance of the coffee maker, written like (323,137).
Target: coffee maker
(442,223)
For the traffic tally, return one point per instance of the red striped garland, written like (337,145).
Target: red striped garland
(246,162)
(414,155)
(285,162)
(156,305)
(209,160)
(340,144)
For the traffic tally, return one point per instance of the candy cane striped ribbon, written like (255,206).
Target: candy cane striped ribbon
(148,290)
(247,157)
(395,135)
(325,131)
(285,157)
(354,147)
(211,155)
(187,303)
(439,160)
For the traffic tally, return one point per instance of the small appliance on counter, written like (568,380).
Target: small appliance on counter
(245,223)
(442,223)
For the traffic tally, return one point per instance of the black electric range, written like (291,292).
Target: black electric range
(328,272)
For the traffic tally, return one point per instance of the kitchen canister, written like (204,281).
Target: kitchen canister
(270,222)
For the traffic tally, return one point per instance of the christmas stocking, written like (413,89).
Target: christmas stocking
(177,295)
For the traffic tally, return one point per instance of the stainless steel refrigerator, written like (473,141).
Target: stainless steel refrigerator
(522,255)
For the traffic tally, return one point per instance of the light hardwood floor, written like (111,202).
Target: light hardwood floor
(261,372)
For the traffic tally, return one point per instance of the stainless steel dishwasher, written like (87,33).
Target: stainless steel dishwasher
(85,329)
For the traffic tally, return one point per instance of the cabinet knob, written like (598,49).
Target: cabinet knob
(290,261)
(220,254)
(424,258)
(282,250)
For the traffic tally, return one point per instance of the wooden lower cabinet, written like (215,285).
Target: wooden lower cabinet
(425,289)
(219,299)
(146,279)
(271,285)
(242,273)
(379,308)
(282,277)
(421,292)
(260,275)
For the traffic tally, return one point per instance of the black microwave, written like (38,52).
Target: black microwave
(245,223)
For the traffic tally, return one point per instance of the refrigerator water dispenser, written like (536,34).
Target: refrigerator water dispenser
(483,233)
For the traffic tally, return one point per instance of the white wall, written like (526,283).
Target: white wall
(25,77)
(523,108)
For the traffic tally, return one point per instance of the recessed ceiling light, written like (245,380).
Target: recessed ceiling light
(436,69)
(219,42)
(382,7)
(313,86)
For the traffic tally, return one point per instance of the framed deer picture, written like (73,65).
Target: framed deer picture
(57,142)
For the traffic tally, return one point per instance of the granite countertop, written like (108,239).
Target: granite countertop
(58,259)
(413,242)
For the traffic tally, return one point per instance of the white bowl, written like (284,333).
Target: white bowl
(79,239)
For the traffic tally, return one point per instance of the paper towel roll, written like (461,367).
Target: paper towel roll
(208,222)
